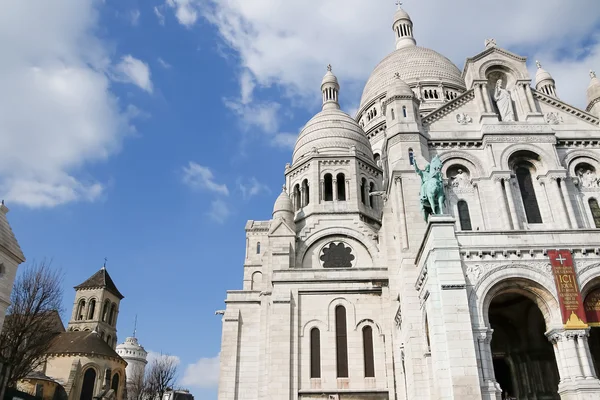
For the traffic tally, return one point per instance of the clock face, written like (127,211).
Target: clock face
(337,255)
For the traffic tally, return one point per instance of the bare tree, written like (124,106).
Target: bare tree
(32,321)
(160,376)
(136,385)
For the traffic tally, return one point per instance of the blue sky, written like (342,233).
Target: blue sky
(149,131)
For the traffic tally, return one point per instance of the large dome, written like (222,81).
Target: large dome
(414,64)
(331,131)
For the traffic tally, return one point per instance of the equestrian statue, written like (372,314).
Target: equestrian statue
(432,195)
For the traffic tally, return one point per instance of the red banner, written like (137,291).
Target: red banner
(592,307)
(569,296)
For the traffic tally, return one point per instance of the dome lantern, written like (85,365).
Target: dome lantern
(544,82)
(403,28)
(330,88)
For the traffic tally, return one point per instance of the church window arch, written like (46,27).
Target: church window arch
(341,187)
(595,209)
(404,111)
(426,94)
(115,383)
(341,342)
(328,187)
(315,353)
(306,193)
(105,311)
(411,156)
(113,314)
(89,382)
(257,247)
(80,310)
(363,188)
(464,216)
(377,158)
(371,198)
(435,94)
(108,339)
(91,309)
(369,361)
(530,203)
(297,200)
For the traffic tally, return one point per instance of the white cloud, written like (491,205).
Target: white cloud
(135,17)
(185,11)
(263,115)
(284,140)
(199,177)
(57,113)
(159,15)
(155,355)
(134,71)
(252,188)
(289,43)
(219,211)
(164,64)
(202,374)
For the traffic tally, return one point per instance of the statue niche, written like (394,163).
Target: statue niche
(459,177)
(587,176)
(503,102)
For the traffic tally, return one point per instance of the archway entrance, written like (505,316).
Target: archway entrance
(594,343)
(89,380)
(524,361)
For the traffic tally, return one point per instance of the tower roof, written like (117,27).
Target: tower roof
(283,203)
(7,237)
(541,74)
(82,342)
(101,279)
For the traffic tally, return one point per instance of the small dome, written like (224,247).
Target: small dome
(331,132)
(283,203)
(593,91)
(541,74)
(414,64)
(399,88)
(401,14)
(329,77)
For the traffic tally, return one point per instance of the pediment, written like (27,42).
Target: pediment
(281,228)
(557,112)
(461,113)
(478,68)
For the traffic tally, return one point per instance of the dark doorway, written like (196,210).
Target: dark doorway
(524,362)
(89,380)
(594,342)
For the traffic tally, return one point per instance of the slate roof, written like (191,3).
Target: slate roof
(7,237)
(82,342)
(101,279)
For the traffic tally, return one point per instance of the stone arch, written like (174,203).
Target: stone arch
(499,64)
(542,164)
(313,323)
(350,312)
(589,279)
(257,281)
(569,159)
(366,242)
(368,322)
(474,165)
(520,278)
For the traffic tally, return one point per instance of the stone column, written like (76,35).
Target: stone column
(511,203)
(302,196)
(583,352)
(401,212)
(348,192)
(530,97)
(557,197)
(486,98)
(228,377)
(480,203)
(504,215)
(490,389)
(322,192)
(479,97)
(281,346)
(334,188)
(567,200)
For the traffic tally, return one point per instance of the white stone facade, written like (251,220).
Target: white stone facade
(10,258)
(425,308)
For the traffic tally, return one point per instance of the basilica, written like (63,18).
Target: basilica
(354,291)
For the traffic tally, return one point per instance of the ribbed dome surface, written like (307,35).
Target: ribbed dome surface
(331,132)
(542,75)
(413,63)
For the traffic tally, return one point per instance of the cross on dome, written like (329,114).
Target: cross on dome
(539,64)
(329,67)
(399,4)
(592,74)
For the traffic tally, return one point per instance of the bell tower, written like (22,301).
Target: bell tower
(96,307)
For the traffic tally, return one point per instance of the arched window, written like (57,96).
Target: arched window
(306,192)
(113,314)
(105,311)
(464,216)
(102,335)
(258,248)
(411,157)
(363,187)
(377,158)
(595,209)
(341,342)
(115,384)
(341,187)
(108,339)
(404,111)
(371,198)
(315,353)
(89,381)
(297,200)
(328,195)
(532,209)
(80,310)
(91,309)
(368,352)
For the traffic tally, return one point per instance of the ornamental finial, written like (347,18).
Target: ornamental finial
(283,188)
(329,67)
(539,64)
(397,75)
(592,74)
(399,4)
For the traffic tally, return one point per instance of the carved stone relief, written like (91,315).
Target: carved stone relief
(463,119)
(553,118)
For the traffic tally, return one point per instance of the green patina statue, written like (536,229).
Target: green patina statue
(432,195)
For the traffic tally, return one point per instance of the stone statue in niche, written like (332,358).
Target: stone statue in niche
(588,178)
(461,180)
(504,102)
(337,256)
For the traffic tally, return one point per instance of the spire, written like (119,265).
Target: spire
(135,326)
(330,89)
(539,65)
(544,82)
(403,28)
